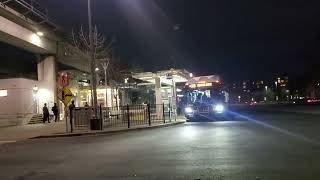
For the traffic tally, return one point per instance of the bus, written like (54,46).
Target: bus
(206,98)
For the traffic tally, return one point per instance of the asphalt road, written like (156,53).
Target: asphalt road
(257,145)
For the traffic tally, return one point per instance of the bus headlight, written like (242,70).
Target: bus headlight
(188,110)
(219,108)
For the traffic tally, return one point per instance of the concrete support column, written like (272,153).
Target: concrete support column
(47,92)
(158,97)
(174,97)
(158,90)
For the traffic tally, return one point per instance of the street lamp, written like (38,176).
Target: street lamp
(105,68)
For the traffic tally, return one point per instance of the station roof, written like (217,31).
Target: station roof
(210,78)
(178,76)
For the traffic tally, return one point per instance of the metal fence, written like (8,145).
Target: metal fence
(123,116)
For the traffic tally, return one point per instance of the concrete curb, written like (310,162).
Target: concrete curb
(107,132)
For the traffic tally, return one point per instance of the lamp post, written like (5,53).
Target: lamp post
(105,68)
(93,63)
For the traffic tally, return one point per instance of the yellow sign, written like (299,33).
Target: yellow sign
(65,95)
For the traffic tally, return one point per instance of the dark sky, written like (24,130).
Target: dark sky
(239,39)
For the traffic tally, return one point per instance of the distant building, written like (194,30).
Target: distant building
(282,88)
(247,91)
(282,82)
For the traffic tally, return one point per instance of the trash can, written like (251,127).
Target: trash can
(95,124)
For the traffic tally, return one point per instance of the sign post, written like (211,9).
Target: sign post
(65,95)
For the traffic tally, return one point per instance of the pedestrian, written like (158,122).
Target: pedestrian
(45,112)
(55,111)
(71,109)
(86,104)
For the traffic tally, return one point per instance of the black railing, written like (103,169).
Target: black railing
(32,10)
(123,116)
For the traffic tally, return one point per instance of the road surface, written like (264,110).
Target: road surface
(259,145)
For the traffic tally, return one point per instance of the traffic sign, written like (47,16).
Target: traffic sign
(65,95)
(63,79)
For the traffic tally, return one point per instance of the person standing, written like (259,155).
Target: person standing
(45,112)
(71,109)
(55,111)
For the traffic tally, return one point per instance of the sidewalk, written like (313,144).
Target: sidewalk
(52,130)
(17,133)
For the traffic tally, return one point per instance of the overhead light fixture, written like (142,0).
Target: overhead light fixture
(39,33)
(35,39)
(3,93)
(97,69)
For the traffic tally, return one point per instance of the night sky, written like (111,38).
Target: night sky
(238,39)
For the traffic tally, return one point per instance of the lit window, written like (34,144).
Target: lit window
(3,93)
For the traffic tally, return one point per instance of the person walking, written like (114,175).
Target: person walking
(71,109)
(55,111)
(45,112)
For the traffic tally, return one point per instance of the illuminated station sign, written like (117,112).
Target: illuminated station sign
(203,81)
(201,84)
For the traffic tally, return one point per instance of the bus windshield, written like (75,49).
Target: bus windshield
(206,95)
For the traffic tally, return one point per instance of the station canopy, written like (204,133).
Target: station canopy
(208,79)
(166,76)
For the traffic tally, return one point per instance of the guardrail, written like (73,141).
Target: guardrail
(122,116)
(30,9)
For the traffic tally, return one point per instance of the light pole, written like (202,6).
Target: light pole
(105,68)
(93,63)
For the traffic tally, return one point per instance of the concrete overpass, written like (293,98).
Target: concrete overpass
(19,30)
(24,25)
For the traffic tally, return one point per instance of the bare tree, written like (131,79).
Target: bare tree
(101,47)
